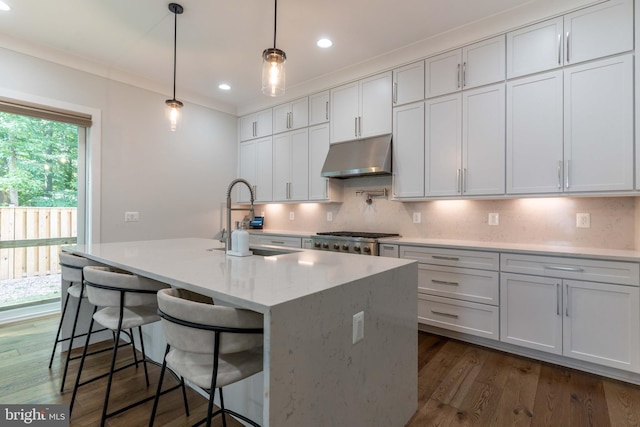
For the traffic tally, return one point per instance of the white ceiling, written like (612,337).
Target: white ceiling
(222,41)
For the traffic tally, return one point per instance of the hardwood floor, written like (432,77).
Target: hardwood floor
(459,384)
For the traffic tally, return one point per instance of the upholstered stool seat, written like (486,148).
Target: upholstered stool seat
(209,345)
(126,301)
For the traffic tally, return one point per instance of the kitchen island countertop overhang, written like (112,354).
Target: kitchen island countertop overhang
(313,372)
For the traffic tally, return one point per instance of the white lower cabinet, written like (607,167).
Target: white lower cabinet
(454,297)
(275,240)
(564,314)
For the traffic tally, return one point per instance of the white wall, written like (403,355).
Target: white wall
(176,180)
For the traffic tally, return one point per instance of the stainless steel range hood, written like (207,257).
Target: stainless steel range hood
(360,157)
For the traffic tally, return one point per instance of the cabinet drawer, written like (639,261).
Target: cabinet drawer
(459,283)
(452,257)
(460,316)
(623,273)
(275,240)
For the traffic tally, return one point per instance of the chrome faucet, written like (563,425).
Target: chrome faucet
(229,208)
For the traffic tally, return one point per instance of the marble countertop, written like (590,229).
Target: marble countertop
(550,249)
(255,282)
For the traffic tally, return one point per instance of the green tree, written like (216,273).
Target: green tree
(38,162)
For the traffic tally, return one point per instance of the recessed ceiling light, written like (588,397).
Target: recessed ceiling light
(324,43)
(224,86)
(4,7)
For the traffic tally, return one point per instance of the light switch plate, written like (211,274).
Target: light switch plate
(131,216)
(291,216)
(329,216)
(494,218)
(417,217)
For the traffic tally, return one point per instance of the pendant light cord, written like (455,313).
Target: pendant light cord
(275,22)
(175,41)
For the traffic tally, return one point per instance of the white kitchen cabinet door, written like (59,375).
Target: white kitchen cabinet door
(256,167)
(443,145)
(318,149)
(408,150)
(483,62)
(598,31)
(344,112)
(247,169)
(299,186)
(408,84)
(291,166)
(598,125)
(292,115)
(534,134)
(443,73)
(319,108)
(483,141)
(531,312)
(375,105)
(602,324)
(263,184)
(256,125)
(535,48)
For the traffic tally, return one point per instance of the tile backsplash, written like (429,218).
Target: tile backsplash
(532,220)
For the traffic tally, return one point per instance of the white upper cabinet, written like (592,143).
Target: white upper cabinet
(590,33)
(443,146)
(408,83)
(320,188)
(292,115)
(597,31)
(534,134)
(291,166)
(483,141)
(535,48)
(598,125)
(256,125)
(319,108)
(256,167)
(475,65)
(408,150)
(361,109)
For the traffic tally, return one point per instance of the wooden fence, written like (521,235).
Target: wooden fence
(30,240)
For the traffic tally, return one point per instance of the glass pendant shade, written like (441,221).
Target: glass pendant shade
(173,113)
(273,72)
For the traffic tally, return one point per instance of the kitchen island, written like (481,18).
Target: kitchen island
(313,372)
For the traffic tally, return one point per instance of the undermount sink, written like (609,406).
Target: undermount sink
(264,251)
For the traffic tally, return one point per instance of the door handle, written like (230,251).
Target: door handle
(568,36)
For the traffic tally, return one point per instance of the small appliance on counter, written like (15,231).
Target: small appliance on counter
(257,223)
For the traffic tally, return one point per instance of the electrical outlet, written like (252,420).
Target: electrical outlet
(329,216)
(583,220)
(291,216)
(417,217)
(131,216)
(358,327)
(494,218)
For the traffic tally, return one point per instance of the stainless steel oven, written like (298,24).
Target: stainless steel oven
(353,242)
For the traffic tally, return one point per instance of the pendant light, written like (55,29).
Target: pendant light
(173,105)
(273,59)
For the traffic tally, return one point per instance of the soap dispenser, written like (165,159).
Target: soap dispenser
(243,239)
(234,237)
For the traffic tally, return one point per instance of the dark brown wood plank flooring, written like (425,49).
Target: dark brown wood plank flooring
(459,384)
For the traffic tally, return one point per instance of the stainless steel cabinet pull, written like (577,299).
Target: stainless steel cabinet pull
(567,183)
(442,282)
(464,180)
(390,248)
(559,49)
(291,120)
(458,76)
(566,302)
(464,74)
(446,258)
(559,174)
(277,242)
(355,126)
(454,316)
(326,110)
(395,93)
(326,189)
(360,126)
(568,36)
(561,268)
(255,128)
(558,298)
(458,183)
